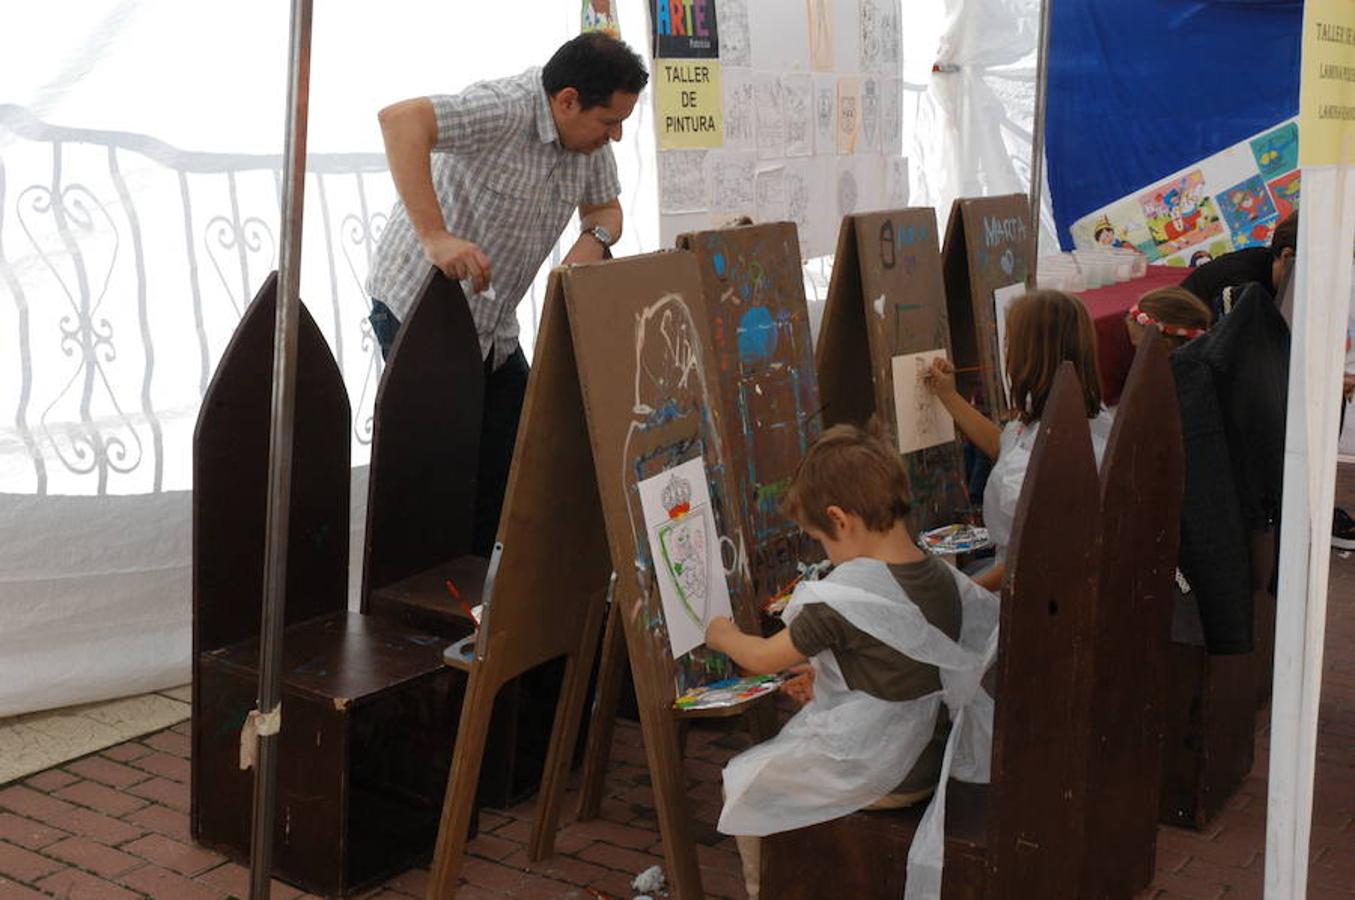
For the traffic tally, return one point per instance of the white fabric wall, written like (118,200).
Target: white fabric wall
(140,147)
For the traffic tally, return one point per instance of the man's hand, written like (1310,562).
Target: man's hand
(459,260)
(719,632)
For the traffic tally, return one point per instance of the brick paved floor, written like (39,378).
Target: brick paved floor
(115,824)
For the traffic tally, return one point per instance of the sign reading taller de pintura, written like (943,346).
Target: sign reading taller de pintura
(685,29)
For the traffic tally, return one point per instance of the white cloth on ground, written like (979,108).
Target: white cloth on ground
(846,749)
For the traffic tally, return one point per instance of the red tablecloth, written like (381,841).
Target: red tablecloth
(1107,306)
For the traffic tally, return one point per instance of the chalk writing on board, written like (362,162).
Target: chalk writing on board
(682,181)
(798,93)
(732,18)
(740,110)
(922,419)
(1003,231)
(731,181)
(771,116)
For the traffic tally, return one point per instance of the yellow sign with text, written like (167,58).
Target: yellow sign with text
(690,102)
(1327,85)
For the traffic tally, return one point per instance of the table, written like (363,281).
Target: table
(1107,306)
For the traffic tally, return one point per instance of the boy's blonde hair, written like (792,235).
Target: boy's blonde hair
(849,468)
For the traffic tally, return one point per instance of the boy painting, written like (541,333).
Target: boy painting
(889,635)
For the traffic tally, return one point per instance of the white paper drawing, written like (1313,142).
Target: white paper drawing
(822,34)
(825,114)
(685,549)
(921,417)
(770,188)
(848,113)
(896,182)
(799,197)
(868,140)
(1002,301)
(731,181)
(731,21)
(891,116)
(740,110)
(682,181)
(771,116)
(881,38)
(847,191)
(797,91)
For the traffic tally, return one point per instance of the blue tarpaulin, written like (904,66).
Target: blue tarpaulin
(1141,89)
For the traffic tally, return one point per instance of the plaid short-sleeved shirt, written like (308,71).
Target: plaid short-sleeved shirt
(505,183)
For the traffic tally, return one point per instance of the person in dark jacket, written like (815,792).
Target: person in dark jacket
(1263,265)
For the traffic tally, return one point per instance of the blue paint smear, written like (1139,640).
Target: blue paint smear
(718,261)
(757,335)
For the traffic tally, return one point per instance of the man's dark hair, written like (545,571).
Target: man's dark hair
(1286,235)
(596,66)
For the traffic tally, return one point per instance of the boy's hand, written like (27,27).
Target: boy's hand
(718,633)
(800,688)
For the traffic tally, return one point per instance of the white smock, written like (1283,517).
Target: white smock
(847,749)
(1009,473)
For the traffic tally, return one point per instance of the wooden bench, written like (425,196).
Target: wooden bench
(367,706)
(1021,835)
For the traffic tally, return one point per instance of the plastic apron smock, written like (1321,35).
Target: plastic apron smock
(847,749)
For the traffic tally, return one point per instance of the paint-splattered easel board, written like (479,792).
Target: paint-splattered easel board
(989,245)
(763,358)
(642,342)
(899,256)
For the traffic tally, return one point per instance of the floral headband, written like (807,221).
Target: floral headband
(1145,319)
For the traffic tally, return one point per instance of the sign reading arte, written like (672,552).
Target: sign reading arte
(685,29)
(1327,85)
(690,103)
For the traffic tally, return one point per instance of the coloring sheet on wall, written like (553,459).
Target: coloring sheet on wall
(682,181)
(869,141)
(848,113)
(731,181)
(922,419)
(685,549)
(822,35)
(732,18)
(771,116)
(770,187)
(740,110)
(798,93)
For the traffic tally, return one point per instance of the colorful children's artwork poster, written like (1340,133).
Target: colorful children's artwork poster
(1179,214)
(685,549)
(598,15)
(1249,212)
(1285,192)
(922,419)
(1277,152)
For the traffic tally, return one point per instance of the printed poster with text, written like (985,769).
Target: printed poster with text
(690,102)
(1327,83)
(685,29)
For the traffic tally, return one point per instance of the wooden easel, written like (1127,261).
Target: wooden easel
(989,244)
(544,596)
(1021,835)
(886,299)
(1142,480)
(762,357)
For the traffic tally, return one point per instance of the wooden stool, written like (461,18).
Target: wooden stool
(367,707)
(1021,835)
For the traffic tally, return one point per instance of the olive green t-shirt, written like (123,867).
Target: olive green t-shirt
(879,670)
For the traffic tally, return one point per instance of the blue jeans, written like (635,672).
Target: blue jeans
(505,388)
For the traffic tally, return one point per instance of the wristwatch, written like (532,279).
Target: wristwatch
(603,236)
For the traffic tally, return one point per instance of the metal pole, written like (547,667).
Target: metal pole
(267,716)
(1037,138)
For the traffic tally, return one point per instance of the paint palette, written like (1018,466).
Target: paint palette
(949,540)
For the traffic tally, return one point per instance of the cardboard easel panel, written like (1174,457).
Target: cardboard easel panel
(899,255)
(989,245)
(764,361)
(641,338)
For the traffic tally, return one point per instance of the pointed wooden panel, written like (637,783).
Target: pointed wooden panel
(425,441)
(1041,731)
(763,358)
(1142,480)
(989,244)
